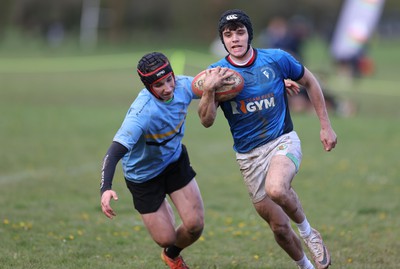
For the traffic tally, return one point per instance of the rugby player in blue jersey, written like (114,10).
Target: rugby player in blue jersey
(154,160)
(268,150)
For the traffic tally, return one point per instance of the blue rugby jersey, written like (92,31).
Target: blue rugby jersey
(152,131)
(260,113)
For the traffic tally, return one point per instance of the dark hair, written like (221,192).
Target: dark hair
(233,19)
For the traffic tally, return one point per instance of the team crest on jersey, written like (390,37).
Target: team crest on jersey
(268,72)
(282,147)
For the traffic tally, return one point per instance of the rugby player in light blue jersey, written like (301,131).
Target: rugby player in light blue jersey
(268,150)
(154,160)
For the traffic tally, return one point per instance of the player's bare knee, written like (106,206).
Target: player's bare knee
(165,241)
(277,194)
(195,227)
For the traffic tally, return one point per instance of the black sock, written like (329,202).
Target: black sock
(173,251)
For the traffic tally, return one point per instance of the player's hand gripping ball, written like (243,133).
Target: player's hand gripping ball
(223,93)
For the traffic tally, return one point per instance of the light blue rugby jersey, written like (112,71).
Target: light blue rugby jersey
(153,130)
(260,112)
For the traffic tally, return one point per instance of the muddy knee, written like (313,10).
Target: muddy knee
(282,232)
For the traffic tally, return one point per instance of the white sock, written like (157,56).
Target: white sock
(305,263)
(304,228)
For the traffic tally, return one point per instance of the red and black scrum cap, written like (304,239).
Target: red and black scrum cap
(152,68)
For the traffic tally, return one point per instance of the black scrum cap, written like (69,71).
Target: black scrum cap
(235,16)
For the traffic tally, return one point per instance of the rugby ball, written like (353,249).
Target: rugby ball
(222,94)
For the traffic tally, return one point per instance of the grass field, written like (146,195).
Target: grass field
(59,114)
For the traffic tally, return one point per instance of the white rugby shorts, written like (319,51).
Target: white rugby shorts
(255,163)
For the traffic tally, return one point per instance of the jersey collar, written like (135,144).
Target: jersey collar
(249,62)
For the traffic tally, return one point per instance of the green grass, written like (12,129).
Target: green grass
(58,116)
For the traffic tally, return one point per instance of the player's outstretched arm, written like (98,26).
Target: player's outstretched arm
(327,134)
(115,152)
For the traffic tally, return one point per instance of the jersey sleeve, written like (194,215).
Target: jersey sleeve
(134,125)
(290,67)
(115,152)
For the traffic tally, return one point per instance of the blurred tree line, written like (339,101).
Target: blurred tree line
(117,21)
